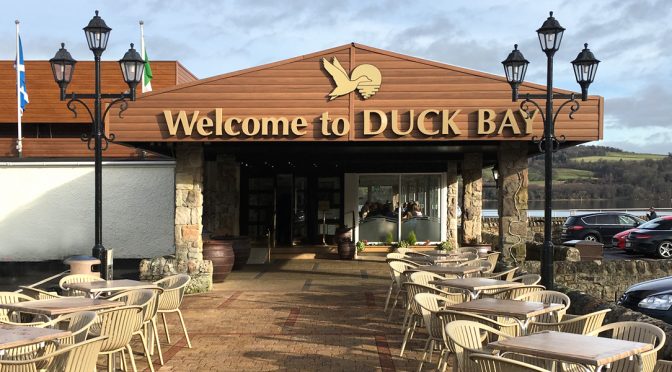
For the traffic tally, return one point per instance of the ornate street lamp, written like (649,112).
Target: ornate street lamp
(515,66)
(132,68)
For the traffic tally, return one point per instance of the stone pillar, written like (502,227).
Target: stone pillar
(472,197)
(221,204)
(512,200)
(188,224)
(451,182)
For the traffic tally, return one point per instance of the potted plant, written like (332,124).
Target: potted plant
(360,246)
(445,246)
(412,239)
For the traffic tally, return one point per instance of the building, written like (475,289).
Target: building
(287,152)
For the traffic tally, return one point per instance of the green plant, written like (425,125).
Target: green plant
(360,246)
(403,244)
(445,246)
(389,239)
(412,239)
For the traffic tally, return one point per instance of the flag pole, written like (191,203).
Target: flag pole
(142,50)
(19,141)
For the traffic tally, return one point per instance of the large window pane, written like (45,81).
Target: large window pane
(420,201)
(378,199)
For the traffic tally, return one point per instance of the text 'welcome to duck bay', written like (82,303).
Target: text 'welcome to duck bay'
(429,123)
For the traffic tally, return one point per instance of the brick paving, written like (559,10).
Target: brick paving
(295,315)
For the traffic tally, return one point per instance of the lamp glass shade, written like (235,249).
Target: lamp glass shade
(550,35)
(495,173)
(585,66)
(515,66)
(97,33)
(62,66)
(132,67)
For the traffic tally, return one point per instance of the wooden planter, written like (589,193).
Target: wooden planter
(220,252)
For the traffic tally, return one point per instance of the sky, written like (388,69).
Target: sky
(632,38)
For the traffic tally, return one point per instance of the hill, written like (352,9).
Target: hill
(600,172)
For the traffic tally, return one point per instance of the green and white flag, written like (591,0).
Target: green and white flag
(147,79)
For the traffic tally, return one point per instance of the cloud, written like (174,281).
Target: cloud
(648,107)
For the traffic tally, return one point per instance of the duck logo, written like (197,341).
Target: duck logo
(365,78)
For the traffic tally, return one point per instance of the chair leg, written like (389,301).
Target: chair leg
(109,362)
(424,354)
(165,326)
(184,327)
(389,294)
(149,357)
(407,319)
(157,342)
(415,325)
(130,355)
(122,360)
(406,338)
(431,348)
(394,305)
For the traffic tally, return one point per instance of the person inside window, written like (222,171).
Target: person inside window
(652,214)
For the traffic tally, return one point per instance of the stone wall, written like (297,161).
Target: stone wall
(512,200)
(472,196)
(221,204)
(451,181)
(188,226)
(605,280)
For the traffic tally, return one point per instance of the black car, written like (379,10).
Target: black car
(653,237)
(598,227)
(653,298)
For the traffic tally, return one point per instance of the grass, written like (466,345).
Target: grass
(564,174)
(617,156)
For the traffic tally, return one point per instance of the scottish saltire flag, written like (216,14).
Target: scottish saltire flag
(147,76)
(21,68)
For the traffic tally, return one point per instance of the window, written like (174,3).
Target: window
(607,219)
(627,220)
(665,225)
(590,220)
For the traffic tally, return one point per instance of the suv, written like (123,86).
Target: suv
(598,227)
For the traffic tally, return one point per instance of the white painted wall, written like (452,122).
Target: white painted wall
(47,209)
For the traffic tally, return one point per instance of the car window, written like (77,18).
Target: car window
(665,225)
(590,220)
(626,220)
(607,219)
(653,224)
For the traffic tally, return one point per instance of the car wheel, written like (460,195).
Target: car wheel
(592,238)
(665,249)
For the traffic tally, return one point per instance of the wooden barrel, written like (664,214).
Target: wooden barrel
(346,250)
(241,249)
(220,252)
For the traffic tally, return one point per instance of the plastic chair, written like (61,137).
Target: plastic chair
(77,323)
(638,332)
(77,278)
(393,257)
(503,275)
(508,327)
(430,304)
(466,338)
(663,366)
(397,268)
(513,292)
(492,258)
(74,358)
(38,294)
(413,315)
(424,277)
(578,324)
(118,325)
(11,298)
(528,279)
(171,299)
(548,297)
(468,250)
(409,251)
(492,363)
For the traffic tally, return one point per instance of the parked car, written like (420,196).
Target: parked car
(653,238)
(618,241)
(653,298)
(598,227)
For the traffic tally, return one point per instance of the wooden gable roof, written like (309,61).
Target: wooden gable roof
(299,87)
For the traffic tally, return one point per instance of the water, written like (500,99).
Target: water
(563,208)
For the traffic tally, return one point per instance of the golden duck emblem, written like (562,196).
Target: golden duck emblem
(365,78)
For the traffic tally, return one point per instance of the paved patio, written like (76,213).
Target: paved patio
(294,315)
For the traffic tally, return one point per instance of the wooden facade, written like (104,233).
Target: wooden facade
(299,87)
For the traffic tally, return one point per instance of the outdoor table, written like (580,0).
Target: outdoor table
(436,253)
(95,289)
(521,311)
(15,335)
(475,285)
(451,259)
(572,348)
(460,271)
(59,306)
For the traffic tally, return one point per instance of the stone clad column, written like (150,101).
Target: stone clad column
(472,197)
(188,224)
(512,199)
(451,182)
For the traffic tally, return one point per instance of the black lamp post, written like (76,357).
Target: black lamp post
(132,68)
(515,66)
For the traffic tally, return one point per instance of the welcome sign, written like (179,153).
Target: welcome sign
(375,122)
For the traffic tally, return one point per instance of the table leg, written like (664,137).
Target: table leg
(475,294)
